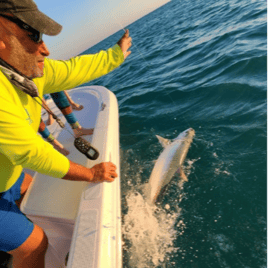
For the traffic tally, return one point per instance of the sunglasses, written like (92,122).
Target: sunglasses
(33,34)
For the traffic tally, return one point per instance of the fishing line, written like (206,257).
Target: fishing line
(190,165)
(148,65)
(207,145)
(134,45)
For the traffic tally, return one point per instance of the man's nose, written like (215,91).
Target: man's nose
(43,49)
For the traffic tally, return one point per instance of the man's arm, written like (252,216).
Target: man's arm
(64,75)
(99,173)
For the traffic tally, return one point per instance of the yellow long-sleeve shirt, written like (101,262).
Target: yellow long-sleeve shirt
(20,146)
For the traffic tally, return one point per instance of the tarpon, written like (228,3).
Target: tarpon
(169,161)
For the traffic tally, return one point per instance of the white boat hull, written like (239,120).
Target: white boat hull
(79,218)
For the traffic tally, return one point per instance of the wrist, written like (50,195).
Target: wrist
(78,172)
(91,174)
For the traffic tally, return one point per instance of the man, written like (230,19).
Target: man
(23,58)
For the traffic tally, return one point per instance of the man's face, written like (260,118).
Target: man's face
(21,52)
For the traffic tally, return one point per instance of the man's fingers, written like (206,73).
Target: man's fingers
(125,43)
(113,174)
(111,166)
(126,33)
(105,172)
(110,175)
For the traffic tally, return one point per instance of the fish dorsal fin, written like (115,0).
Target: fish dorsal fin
(164,142)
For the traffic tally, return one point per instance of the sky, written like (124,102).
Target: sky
(87,22)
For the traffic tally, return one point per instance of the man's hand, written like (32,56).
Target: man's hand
(103,172)
(125,44)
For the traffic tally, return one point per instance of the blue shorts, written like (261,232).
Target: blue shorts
(15,227)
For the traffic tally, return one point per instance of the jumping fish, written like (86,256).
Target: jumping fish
(169,161)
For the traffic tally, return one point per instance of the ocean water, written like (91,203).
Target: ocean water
(199,64)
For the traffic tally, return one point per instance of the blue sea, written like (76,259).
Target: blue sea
(199,64)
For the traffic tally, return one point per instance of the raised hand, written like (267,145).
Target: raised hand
(125,43)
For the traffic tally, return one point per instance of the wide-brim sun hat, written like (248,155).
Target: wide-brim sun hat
(28,12)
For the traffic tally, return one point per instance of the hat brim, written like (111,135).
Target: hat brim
(40,22)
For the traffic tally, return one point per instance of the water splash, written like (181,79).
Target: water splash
(149,231)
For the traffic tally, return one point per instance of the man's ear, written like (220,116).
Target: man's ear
(2,45)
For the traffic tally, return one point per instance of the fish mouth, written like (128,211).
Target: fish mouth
(190,131)
(186,134)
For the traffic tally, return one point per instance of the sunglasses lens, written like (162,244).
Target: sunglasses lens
(36,36)
(40,37)
(33,34)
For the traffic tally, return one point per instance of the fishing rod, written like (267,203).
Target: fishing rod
(147,64)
